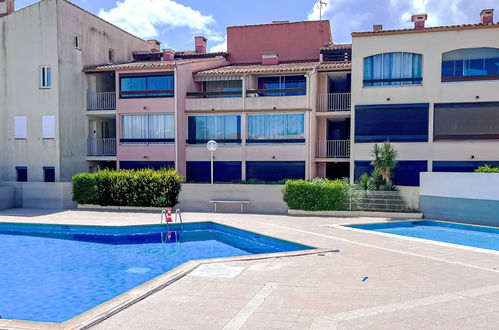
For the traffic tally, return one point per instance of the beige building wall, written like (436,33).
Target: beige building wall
(431,45)
(43,34)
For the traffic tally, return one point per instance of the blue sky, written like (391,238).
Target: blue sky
(176,22)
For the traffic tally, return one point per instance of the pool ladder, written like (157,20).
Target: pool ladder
(178,217)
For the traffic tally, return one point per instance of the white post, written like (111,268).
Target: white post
(211,146)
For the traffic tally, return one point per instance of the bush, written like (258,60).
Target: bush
(128,188)
(318,195)
(487,169)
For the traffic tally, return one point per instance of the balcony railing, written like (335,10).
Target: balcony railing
(276,92)
(334,102)
(208,95)
(101,101)
(333,149)
(101,147)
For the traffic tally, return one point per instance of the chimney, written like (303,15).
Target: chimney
(378,27)
(280,22)
(168,55)
(154,44)
(269,58)
(487,16)
(6,7)
(419,20)
(200,43)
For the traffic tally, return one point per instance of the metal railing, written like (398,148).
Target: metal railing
(334,102)
(333,148)
(101,147)
(101,101)
(383,201)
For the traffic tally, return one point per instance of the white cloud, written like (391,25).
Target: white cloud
(315,13)
(221,47)
(149,18)
(349,16)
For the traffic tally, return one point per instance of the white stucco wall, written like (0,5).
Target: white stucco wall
(431,45)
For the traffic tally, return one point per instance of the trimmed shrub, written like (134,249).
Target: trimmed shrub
(318,195)
(487,169)
(145,187)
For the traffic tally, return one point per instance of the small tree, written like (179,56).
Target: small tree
(384,160)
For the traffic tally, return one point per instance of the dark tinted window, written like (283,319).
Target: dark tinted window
(222,171)
(275,171)
(22,174)
(49,174)
(405,174)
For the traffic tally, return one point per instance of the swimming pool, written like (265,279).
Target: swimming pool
(448,232)
(52,273)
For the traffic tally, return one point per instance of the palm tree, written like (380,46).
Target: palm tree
(384,160)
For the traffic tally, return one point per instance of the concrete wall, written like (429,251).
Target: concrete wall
(464,197)
(263,198)
(431,45)
(7,197)
(40,195)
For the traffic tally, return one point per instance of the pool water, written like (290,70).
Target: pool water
(469,235)
(52,273)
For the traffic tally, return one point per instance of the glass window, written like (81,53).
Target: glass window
(147,129)
(276,128)
(146,86)
(45,77)
(470,64)
(275,171)
(405,174)
(21,174)
(225,88)
(221,128)
(283,85)
(466,121)
(396,123)
(393,69)
(48,174)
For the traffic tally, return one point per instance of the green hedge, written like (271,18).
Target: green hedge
(487,169)
(318,195)
(128,188)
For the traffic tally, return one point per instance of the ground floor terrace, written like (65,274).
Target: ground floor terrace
(373,281)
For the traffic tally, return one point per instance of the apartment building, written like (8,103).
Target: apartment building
(432,92)
(43,49)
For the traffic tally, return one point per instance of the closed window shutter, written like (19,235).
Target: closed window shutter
(48,127)
(20,127)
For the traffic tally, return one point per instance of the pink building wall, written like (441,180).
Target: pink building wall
(298,41)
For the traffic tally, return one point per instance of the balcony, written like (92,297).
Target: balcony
(104,147)
(101,101)
(333,149)
(268,99)
(223,100)
(333,102)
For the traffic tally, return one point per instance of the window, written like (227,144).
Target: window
(147,129)
(275,128)
(282,85)
(45,77)
(395,123)
(470,64)
(132,165)
(405,174)
(224,88)
(222,171)
(48,127)
(110,55)
(48,174)
(146,86)
(393,69)
(20,127)
(461,166)
(275,171)
(76,41)
(22,174)
(466,121)
(222,128)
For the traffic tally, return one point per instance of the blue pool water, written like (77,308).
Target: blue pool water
(52,273)
(469,235)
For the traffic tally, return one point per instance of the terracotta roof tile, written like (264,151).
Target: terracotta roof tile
(429,29)
(338,46)
(144,65)
(260,69)
(337,65)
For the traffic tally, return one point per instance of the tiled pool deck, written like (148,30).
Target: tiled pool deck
(374,281)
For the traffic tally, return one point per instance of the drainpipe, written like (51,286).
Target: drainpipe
(175,87)
(243,129)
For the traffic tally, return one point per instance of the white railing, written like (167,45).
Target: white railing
(333,102)
(333,148)
(101,101)
(101,147)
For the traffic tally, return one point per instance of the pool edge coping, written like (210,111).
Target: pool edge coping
(128,298)
(346,226)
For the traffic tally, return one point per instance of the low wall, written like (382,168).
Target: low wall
(41,195)
(465,197)
(263,198)
(7,197)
